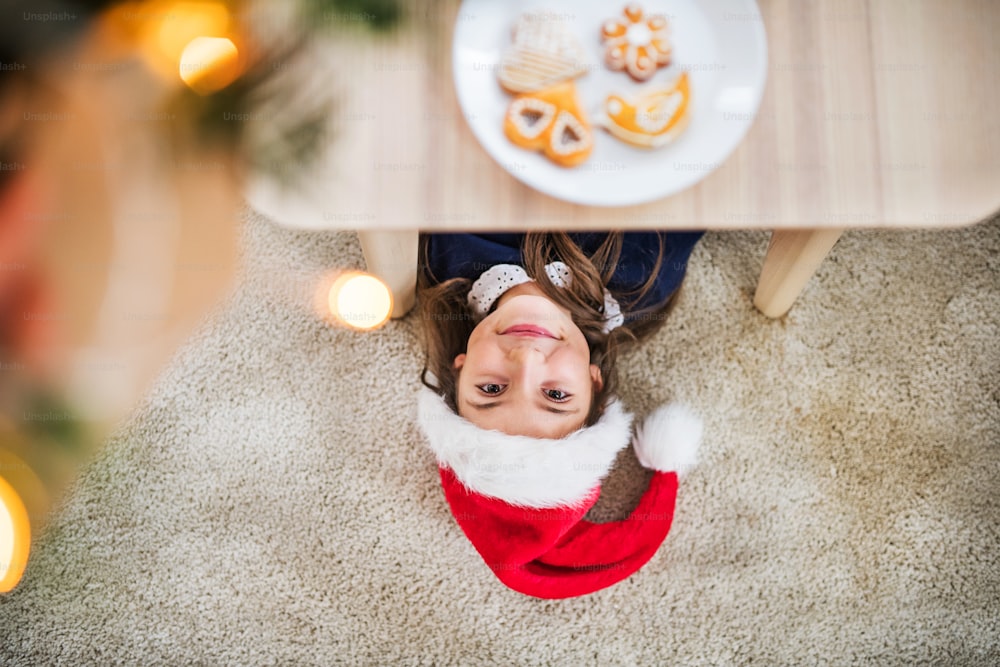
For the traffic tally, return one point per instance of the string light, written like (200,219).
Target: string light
(164,30)
(359,300)
(209,64)
(15,537)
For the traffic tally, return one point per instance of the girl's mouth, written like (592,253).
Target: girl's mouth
(532,330)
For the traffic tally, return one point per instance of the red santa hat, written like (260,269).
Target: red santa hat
(521,500)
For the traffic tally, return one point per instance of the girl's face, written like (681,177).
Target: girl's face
(526,369)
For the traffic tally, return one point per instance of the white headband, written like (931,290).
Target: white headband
(496,280)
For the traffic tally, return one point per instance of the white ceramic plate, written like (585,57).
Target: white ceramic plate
(720,43)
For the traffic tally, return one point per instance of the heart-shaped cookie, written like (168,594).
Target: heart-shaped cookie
(551,121)
(530,116)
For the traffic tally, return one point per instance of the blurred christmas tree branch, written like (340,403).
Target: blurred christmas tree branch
(269,51)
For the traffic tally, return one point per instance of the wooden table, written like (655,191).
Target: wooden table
(876,113)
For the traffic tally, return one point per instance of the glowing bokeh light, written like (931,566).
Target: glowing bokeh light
(15,537)
(208,64)
(177,23)
(163,29)
(360,301)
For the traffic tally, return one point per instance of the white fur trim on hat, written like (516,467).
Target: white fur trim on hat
(523,471)
(668,439)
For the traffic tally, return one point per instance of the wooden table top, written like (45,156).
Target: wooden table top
(876,113)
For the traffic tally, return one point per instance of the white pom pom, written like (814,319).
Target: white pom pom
(668,439)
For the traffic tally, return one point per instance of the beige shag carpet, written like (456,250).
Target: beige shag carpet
(271,500)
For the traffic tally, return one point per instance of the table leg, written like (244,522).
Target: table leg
(792,258)
(392,256)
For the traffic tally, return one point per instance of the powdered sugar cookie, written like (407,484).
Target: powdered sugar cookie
(544,53)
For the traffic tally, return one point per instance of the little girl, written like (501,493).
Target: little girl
(521,333)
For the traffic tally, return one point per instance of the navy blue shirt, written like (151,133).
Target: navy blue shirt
(468,255)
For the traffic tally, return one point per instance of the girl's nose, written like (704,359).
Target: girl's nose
(525,353)
(524,362)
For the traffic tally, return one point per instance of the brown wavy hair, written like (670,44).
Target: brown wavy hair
(447,321)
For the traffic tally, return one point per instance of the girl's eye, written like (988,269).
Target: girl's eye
(491,389)
(557,395)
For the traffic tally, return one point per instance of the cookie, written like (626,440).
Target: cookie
(543,54)
(551,121)
(636,43)
(654,118)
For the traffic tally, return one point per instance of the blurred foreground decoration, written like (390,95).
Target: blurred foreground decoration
(123,148)
(354,300)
